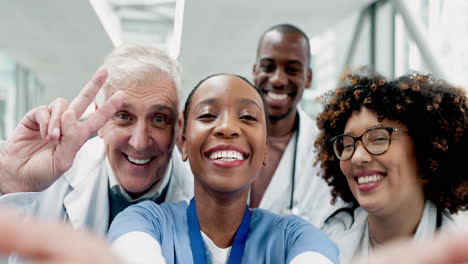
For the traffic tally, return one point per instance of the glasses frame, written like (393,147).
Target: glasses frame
(390,131)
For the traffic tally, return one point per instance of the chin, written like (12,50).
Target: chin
(229,188)
(135,186)
(371,207)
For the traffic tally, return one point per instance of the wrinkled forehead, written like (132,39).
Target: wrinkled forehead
(150,89)
(156,81)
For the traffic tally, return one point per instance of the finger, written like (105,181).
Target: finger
(57,107)
(36,119)
(99,118)
(27,238)
(41,116)
(88,93)
(50,243)
(448,248)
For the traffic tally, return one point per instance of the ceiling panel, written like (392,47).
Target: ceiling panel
(221,35)
(62,42)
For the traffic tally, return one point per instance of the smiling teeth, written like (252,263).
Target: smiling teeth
(139,161)
(368,179)
(226,155)
(277,96)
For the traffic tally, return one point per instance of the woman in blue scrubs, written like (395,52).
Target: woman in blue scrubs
(225,141)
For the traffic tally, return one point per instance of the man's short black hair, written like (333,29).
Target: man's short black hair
(286,29)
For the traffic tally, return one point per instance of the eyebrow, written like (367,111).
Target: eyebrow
(241,100)
(153,108)
(367,129)
(249,101)
(288,62)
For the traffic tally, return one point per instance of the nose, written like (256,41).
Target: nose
(226,127)
(279,78)
(140,138)
(360,156)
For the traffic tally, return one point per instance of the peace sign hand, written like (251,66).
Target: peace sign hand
(46,140)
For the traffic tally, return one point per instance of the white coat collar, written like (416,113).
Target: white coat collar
(352,237)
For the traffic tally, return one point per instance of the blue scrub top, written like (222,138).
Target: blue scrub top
(272,238)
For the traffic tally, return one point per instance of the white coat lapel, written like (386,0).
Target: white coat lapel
(305,145)
(87,205)
(276,197)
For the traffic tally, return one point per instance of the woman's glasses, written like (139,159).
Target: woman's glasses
(375,140)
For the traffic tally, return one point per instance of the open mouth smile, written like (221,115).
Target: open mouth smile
(137,161)
(368,181)
(277,96)
(226,156)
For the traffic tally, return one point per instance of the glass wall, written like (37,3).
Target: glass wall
(446,26)
(382,41)
(19,91)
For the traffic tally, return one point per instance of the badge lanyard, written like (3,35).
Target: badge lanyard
(196,241)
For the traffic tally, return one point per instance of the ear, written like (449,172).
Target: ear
(183,150)
(309,78)
(181,140)
(254,69)
(265,156)
(180,125)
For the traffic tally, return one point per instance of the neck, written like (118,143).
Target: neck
(401,224)
(279,128)
(220,216)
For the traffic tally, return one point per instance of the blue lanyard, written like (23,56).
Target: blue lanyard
(196,241)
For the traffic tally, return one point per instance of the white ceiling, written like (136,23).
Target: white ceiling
(61,41)
(222,35)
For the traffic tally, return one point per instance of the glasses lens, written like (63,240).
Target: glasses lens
(343,147)
(376,140)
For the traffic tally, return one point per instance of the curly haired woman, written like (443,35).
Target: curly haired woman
(396,151)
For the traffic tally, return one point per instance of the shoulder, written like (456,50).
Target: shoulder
(152,211)
(147,217)
(181,183)
(344,217)
(298,235)
(345,227)
(288,223)
(308,132)
(95,146)
(89,159)
(306,121)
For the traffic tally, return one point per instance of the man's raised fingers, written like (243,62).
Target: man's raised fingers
(99,118)
(88,93)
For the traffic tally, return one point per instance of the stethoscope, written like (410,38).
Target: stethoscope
(350,211)
(291,209)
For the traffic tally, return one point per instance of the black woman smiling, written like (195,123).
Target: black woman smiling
(225,140)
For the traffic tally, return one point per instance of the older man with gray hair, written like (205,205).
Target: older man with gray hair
(52,168)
